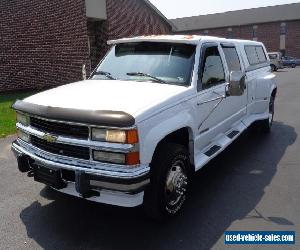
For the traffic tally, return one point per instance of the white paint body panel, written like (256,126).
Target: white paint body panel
(161,109)
(109,197)
(134,98)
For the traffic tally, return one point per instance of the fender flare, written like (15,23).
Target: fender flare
(272,88)
(162,130)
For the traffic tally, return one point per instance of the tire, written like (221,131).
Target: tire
(266,125)
(170,179)
(273,67)
(293,66)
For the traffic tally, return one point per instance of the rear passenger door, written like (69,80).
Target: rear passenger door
(258,87)
(233,58)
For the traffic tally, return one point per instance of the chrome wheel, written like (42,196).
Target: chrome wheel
(170,179)
(176,185)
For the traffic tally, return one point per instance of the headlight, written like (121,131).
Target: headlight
(117,136)
(23,119)
(23,136)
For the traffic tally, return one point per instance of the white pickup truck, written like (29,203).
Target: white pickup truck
(154,111)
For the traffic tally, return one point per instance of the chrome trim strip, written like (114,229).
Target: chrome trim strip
(74,161)
(89,140)
(94,145)
(109,197)
(123,172)
(119,187)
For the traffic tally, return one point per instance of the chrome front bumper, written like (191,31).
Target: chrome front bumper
(113,182)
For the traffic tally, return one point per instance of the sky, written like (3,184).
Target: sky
(184,8)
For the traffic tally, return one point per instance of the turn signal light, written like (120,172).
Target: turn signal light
(132,136)
(133,158)
(129,159)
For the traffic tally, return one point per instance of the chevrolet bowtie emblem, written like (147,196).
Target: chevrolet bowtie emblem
(50,138)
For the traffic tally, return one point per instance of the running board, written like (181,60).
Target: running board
(233,134)
(214,149)
(218,145)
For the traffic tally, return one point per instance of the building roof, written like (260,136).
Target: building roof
(160,14)
(285,12)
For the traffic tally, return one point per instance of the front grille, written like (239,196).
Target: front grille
(61,149)
(62,129)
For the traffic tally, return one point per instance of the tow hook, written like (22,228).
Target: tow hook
(82,185)
(23,164)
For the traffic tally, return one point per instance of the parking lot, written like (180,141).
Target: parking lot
(253,185)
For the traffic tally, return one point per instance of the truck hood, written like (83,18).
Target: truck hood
(131,97)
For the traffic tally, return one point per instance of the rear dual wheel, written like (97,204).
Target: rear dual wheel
(266,125)
(273,68)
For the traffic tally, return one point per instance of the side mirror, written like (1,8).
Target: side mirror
(237,85)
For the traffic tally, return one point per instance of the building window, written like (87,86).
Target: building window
(283,29)
(229,33)
(254,32)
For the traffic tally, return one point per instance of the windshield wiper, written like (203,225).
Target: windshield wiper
(104,73)
(147,75)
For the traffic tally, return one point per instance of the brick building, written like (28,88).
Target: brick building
(278,27)
(49,43)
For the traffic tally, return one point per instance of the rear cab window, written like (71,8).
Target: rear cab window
(261,54)
(255,54)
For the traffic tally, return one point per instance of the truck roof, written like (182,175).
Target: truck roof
(186,39)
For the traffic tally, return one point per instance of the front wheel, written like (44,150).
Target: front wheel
(170,178)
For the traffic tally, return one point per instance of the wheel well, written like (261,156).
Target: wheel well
(181,136)
(274,93)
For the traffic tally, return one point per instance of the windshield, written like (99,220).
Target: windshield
(148,61)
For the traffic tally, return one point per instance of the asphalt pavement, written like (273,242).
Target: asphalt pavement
(253,185)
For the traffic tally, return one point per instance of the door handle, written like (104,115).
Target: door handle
(219,97)
(211,100)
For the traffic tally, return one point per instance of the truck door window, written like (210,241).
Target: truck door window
(232,59)
(212,68)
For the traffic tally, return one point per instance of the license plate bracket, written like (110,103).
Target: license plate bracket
(48,176)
